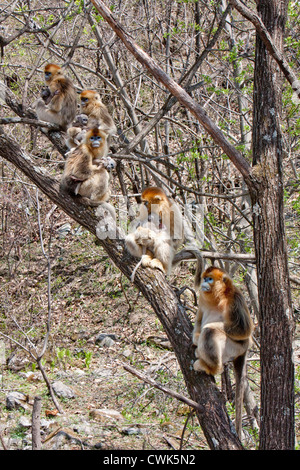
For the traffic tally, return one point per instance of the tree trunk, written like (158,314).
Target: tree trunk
(277,371)
(36,424)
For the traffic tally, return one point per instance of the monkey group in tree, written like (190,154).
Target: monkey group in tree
(85,173)
(58,101)
(223,331)
(223,326)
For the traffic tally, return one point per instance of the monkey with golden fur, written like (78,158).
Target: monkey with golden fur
(223,330)
(85,173)
(157,231)
(58,102)
(96,111)
(95,115)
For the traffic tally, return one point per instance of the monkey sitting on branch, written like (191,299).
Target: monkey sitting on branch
(95,114)
(58,102)
(157,232)
(223,331)
(85,173)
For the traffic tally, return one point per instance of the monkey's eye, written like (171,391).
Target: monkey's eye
(209,280)
(47,75)
(84,100)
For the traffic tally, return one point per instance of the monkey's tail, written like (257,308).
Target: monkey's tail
(199,267)
(239,365)
(182,255)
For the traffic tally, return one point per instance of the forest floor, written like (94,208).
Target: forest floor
(110,407)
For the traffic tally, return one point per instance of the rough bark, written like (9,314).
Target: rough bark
(36,424)
(277,368)
(202,389)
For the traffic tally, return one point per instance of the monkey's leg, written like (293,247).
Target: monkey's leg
(147,259)
(163,255)
(209,351)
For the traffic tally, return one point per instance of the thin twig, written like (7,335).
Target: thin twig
(163,389)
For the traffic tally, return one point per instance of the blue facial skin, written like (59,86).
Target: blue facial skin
(95,141)
(47,76)
(206,284)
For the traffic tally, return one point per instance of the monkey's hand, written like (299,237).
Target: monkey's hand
(144,236)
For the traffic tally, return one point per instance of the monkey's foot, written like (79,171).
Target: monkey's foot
(201,366)
(197,365)
(156,264)
(146,260)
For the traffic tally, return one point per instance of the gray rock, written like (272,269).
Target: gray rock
(63,390)
(15,400)
(25,422)
(106,340)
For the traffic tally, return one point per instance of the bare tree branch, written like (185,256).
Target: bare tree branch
(235,156)
(167,391)
(267,40)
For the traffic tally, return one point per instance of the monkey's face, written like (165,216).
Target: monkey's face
(95,138)
(212,280)
(51,70)
(81,120)
(95,141)
(88,97)
(48,76)
(84,100)
(207,284)
(155,200)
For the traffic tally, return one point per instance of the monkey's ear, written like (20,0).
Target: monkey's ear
(226,279)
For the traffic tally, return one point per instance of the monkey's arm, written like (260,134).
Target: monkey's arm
(44,113)
(57,102)
(197,326)
(237,322)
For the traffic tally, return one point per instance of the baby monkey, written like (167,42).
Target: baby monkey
(76,132)
(85,172)
(223,331)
